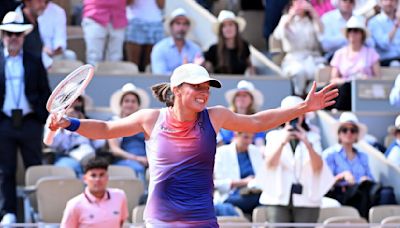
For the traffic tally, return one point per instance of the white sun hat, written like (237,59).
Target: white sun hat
(356,22)
(179,12)
(226,15)
(246,86)
(193,74)
(13,22)
(349,117)
(115,101)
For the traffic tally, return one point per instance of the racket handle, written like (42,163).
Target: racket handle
(48,137)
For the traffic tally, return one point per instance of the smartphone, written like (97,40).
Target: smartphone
(293,123)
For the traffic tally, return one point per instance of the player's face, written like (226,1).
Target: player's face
(195,96)
(129,104)
(96,181)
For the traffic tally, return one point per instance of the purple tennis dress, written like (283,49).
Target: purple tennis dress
(181,161)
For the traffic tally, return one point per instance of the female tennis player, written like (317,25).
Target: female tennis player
(181,142)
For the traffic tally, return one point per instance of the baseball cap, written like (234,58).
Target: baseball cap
(193,74)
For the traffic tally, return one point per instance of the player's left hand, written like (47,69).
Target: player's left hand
(321,99)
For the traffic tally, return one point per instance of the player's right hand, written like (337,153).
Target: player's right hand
(54,121)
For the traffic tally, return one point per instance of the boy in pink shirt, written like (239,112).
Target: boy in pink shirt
(98,206)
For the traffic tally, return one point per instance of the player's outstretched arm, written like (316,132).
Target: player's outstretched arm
(139,121)
(267,119)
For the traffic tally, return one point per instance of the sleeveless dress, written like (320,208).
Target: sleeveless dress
(181,162)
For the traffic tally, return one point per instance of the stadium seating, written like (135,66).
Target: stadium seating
(389,221)
(118,171)
(64,66)
(137,214)
(117,68)
(378,213)
(133,189)
(337,221)
(53,194)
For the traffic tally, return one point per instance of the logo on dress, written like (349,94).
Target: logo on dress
(116,212)
(163,128)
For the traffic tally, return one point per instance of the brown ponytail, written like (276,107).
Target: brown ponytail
(163,93)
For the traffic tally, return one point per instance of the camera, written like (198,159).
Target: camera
(297,188)
(293,123)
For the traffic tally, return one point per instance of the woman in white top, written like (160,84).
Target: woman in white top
(298,30)
(294,165)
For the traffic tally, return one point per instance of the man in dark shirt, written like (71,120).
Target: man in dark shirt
(24,90)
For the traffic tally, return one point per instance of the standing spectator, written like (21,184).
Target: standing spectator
(24,90)
(393,151)
(322,6)
(53,31)
(130,150)
(247,100)
(353,61)
(31,10)
(176,50)
(303,56)
(231,55)
(97,206)
(103,25)
(145,28)
(333,22)
(384,30)
(293,164)
(273,12)
(236,165)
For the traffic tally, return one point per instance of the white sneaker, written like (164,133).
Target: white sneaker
(9,218)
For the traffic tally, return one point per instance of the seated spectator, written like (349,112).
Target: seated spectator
(393,151)
(175,50)
(293,164)
(355,184)
(247,100)
(129,151)
(353,61)
(302,57)
(145,28)
(53,31)
(334,22)
(322,6)
(97,206)
(73,150)
(384,31)
(231,55)
(236,165)
(103,27)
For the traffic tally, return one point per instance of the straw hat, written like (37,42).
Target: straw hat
(226,15)
(246,86)
(115,101)
(179,12)
(14,22)
(349,117)
(356,22)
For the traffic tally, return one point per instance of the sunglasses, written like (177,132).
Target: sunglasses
(13,33)
(351,1)
(352,130)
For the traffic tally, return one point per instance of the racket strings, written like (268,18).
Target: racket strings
(69,90)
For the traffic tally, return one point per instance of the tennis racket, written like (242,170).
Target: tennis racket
(66,93)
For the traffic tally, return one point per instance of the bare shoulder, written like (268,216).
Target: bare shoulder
(147,116)
(218,114)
